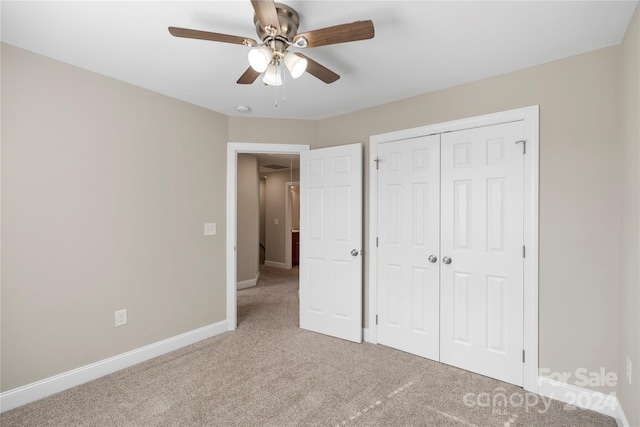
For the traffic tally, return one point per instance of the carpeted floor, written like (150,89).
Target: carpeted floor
(270,373)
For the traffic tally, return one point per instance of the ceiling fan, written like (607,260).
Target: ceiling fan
(277,27)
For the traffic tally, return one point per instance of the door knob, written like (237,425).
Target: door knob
(432,258)
(446,260)
(354,252)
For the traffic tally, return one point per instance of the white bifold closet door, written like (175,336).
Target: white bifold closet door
(481,322)
(450,225)
(409,233)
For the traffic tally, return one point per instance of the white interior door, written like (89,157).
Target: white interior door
(331,241)
(482,235)
(409,245)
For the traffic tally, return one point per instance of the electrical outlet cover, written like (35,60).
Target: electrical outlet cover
(210,229)
(121,317)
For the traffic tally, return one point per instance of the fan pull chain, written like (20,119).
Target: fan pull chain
(275,102)
(284,86)
(279,70)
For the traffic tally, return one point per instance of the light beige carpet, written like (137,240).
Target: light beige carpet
(271,373)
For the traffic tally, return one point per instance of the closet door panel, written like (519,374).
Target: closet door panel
(482,235)
(409,233)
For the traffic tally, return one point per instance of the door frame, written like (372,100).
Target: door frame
(233,149)
(287,223)
(530,117)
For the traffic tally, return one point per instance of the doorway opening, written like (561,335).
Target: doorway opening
(233,151)
(279,207)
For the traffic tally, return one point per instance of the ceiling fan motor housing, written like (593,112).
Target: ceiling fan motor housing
(288,20)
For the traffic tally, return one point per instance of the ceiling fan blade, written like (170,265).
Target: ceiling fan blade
(267,14)
(360,30)
(216,37)
(319,71)
(248,77)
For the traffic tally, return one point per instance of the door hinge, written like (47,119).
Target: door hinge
(522,356)
(376,242)
(524,251)
(377,160)
(524,145)
(376,319)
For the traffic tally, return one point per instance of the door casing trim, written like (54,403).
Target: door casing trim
(288,220)
(233,149)
(530,117)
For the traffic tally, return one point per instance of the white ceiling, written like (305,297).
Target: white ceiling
(419,46)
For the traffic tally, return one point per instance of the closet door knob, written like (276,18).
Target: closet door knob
(354,252)
(446,260)
(432,258)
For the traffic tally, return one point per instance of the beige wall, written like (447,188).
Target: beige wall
(579,190)
(629,325)
(105,190)
(248,217)
(274,131)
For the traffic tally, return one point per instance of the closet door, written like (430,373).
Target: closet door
(408,245)
(481,274)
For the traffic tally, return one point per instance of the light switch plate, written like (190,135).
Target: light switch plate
(210,229)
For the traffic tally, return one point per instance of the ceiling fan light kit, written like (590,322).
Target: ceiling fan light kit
(277,27)
(260,58)
(272,76)
(295,64)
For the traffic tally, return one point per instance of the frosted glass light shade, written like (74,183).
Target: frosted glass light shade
(259,58)
(295,64)
(272,76)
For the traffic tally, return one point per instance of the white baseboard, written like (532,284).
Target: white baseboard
(37,390)
(606,404)
(277,264)
(621,418)
(249,283)
(367,336)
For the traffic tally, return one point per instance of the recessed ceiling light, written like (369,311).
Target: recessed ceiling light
(243,109)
